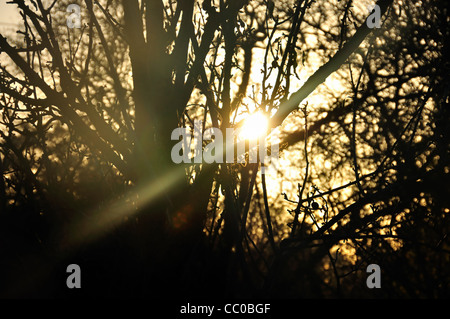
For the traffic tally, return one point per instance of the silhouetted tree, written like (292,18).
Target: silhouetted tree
(86,141)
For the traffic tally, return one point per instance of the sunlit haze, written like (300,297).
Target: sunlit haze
(255,125)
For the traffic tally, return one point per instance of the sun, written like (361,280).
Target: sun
(255,126)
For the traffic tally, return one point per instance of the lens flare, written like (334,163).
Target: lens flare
(254,126)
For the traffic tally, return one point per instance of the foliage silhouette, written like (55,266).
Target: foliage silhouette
(85,144)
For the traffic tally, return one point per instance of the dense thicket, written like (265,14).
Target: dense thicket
(85,143)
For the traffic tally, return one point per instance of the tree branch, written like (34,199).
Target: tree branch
(324,71)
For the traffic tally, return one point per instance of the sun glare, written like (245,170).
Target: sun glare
(255,125)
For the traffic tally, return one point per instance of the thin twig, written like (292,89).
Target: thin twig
(267,210)
(302,188)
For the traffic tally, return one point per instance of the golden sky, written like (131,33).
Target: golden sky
(8,13)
